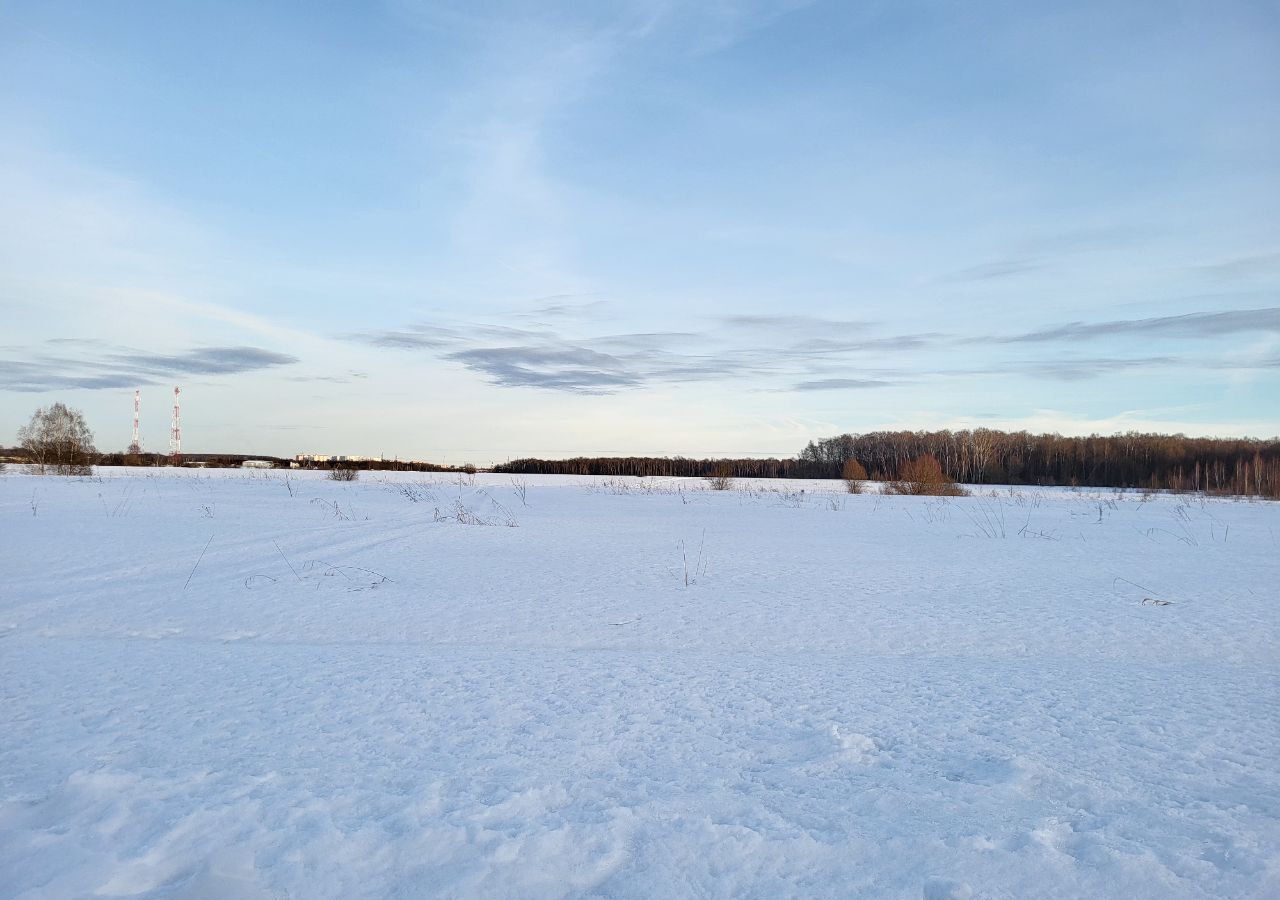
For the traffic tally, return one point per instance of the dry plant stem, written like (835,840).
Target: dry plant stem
(197,565)
(699,566)
(287,563)
(521,489)
(992,521)
(1155,598)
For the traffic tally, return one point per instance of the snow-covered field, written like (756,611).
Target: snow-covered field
(226,684)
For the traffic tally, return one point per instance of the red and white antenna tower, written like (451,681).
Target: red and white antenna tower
(136,445)
(175,431)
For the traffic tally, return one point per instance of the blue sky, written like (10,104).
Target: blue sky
(474,231)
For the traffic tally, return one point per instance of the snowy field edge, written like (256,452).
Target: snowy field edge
(226,683)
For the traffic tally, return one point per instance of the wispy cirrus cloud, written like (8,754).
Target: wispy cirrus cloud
(599,364)
(1034,254)
(564,307)
(575,369)
(800,353)
(772,324)
(206,361)
(996,269)
(608,365)
(1190,325)
(841,384)
(818,347)
(1082,368)
(1242,266)
(411,337)
(122,367)
(38,377)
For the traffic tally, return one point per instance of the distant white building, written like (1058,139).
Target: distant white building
(256,464)
(326,458)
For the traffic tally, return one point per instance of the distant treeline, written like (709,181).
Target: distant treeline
(984,456)
(677,466)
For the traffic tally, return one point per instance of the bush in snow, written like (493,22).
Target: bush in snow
(924,476)
(722,478)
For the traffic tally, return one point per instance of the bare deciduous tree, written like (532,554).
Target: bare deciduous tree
(58,440)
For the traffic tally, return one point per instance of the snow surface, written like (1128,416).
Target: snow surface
(226,684)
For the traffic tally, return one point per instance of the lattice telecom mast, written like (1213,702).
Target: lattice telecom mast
(135,445)
(175,431)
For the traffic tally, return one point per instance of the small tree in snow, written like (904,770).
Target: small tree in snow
(853,474)
(57,439)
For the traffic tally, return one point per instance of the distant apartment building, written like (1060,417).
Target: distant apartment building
(325,458)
